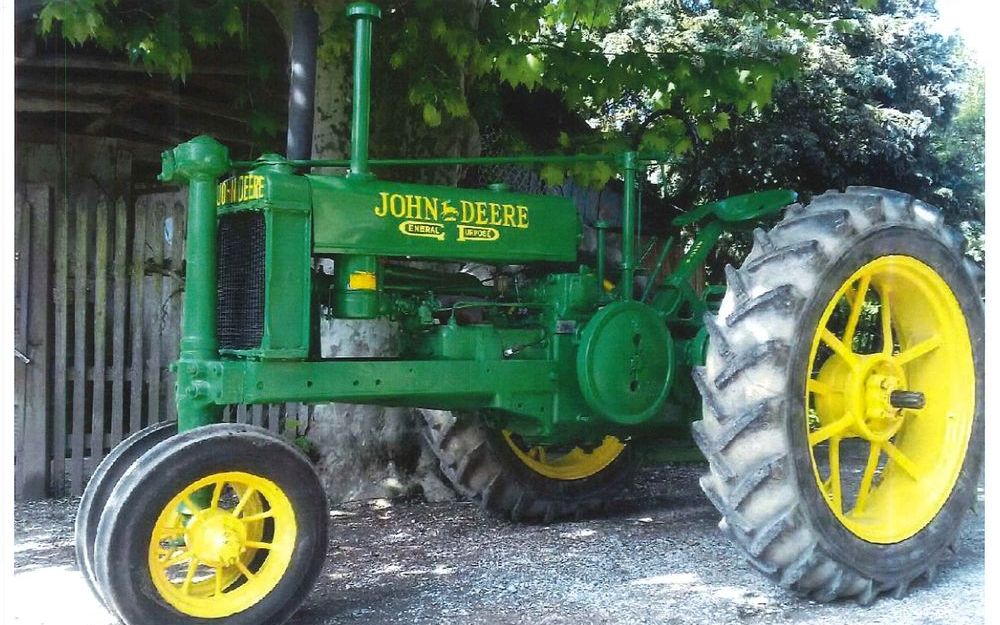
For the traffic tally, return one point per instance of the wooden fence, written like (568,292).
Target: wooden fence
(98,293)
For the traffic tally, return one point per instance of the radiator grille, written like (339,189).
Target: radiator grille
(240,315)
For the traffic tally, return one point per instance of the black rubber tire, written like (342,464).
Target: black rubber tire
(127,522)
(99,488)
(481,467)
(761,477)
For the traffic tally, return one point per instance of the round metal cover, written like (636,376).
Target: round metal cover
(625,362)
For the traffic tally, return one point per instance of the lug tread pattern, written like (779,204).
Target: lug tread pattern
(464,448)
(805,249)
(745,342)
(783,298)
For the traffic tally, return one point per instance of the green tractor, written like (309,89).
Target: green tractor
(840,376)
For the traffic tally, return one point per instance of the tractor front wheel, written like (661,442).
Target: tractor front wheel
(526,483)
(108,473)
(843,396)
(226,523)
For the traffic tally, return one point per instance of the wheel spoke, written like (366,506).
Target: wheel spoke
(193,509)
(216,494)
(167,532)
(831,429)
(175,559)
(901,460)
(838,347)
(192,567)
(244,500)
(835,494)
(260,516)
(218,580)
(820,388)
(243,569)
(923,347)
(253,544)
(857,303)
(886,314)
(874,451)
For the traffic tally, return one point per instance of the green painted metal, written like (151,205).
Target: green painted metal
(283,198)
(356,292)
(738,209)
(630,213)
(198,163)
(602,250)
(625,363)
(392,219)
(559,159)
(363,14)
(551,356)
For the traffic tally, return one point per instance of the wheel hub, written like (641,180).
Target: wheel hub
(876,419)
(216,537)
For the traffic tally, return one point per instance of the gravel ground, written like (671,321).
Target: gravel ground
(658,559)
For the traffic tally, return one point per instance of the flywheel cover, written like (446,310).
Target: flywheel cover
(625,362)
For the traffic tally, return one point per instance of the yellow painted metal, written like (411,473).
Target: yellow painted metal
(914,456)
(217,560)
(362,281)
(574,464)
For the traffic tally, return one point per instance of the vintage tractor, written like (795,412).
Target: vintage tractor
(841,374)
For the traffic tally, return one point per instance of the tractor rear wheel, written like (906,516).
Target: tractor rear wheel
(225,522)
(843,396)
(524,483)
(108,473)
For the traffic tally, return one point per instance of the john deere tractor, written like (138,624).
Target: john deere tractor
(841,375)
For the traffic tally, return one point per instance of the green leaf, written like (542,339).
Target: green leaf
(432,116)
(234,22)
(552,174)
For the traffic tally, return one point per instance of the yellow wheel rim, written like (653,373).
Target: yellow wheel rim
(222,544)
(574,464)
(893,336)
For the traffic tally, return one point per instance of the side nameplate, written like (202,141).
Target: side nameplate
(240,189)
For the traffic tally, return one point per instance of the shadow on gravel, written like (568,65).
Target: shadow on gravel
(657,558)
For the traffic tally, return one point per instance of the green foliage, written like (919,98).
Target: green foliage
(649,74)
(162,39)
(886,102)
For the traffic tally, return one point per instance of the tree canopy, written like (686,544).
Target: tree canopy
(743,94)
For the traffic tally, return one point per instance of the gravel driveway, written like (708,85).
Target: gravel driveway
(659,560)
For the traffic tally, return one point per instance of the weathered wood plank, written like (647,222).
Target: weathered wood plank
(22,263)
(60,254)
(80,278)
(257,414)
(173,286)
(33,464)
(241,413)
(273,416)
(136,284)
(101,269)
(118,324)
(63,62)
(169,301)
(153,313)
